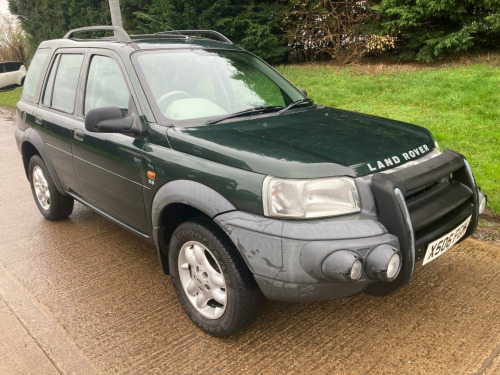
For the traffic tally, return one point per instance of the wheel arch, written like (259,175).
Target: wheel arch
(33,144)
(177,202)
(27,152)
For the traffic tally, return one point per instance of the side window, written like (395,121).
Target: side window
(47,96)
(106,86)
(66,81)
(11,67)
(34,74)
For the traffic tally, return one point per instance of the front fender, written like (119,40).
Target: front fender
(186,192)
(192,194)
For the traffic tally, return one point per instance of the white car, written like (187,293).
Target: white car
(12,74)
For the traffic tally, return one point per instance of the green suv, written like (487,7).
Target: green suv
(246,187)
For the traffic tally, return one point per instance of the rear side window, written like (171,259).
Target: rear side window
(60,91)
(106,86)
(47,96)
(2,68)
(34,74)
(12,66)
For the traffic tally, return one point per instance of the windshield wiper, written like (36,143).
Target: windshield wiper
(295,103)
(260,108)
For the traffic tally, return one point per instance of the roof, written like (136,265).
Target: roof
(204,39)
(149,42)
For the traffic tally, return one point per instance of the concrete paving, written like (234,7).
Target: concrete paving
(83,296)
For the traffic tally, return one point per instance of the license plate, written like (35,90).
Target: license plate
(438,247)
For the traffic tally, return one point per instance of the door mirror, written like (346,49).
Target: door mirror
(304,92)
(109,120)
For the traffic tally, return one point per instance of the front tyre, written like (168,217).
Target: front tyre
(51,204)
(212,282)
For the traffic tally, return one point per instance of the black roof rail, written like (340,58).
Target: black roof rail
(216,34)
(120,34)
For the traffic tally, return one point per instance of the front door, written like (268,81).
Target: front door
(108,165)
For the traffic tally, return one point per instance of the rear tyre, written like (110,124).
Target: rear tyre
(212,282)
(51,204)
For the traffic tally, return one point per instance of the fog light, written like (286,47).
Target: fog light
(383,263)
(342,265)
(483,200)
(356,270)
(393,267)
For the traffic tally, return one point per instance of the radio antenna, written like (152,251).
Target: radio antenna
(146,16)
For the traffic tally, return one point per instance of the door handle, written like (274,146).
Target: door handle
(78,134)
(38,119)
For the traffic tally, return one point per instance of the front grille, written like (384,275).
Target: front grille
(437,209)
(439,194)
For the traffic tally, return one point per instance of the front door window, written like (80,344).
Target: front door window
(106,86)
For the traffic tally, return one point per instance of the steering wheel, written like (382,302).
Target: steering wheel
(165,100)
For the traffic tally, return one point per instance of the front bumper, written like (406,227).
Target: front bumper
(415,206)
(286,257)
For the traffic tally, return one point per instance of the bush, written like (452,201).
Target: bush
(13,43)
(430,29)
(341,30)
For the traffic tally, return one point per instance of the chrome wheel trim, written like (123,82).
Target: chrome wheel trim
(202,280)
(42,191)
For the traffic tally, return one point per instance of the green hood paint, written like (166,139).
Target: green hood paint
(316,142)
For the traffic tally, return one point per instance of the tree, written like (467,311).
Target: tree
(338,29)
(13,43)
(50,19)
(254,25)
(430,29)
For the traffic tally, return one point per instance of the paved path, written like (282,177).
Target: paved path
(83,296)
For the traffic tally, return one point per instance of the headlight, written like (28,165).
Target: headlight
(309,198)
(436,145)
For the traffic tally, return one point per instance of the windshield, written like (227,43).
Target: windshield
(187,85)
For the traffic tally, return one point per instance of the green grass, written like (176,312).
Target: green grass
(459,104)
(10,98)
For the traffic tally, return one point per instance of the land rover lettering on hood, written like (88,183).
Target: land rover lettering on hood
(247,188)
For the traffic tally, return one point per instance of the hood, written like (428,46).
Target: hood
(317,142)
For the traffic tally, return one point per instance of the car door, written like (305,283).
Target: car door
(12,69)
(55,117)
(4,76)
(108,165)
(17,73)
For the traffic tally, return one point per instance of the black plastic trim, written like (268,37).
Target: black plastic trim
(440,227)
(445,201)
(429,219)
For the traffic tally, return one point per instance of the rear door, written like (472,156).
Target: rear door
(4,76)
(109,166)
(55,117)
(13,70)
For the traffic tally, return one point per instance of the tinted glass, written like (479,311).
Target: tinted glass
(64,91)
(105,85)
(187,85)
(12,67)
(47,96)
(34,74)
